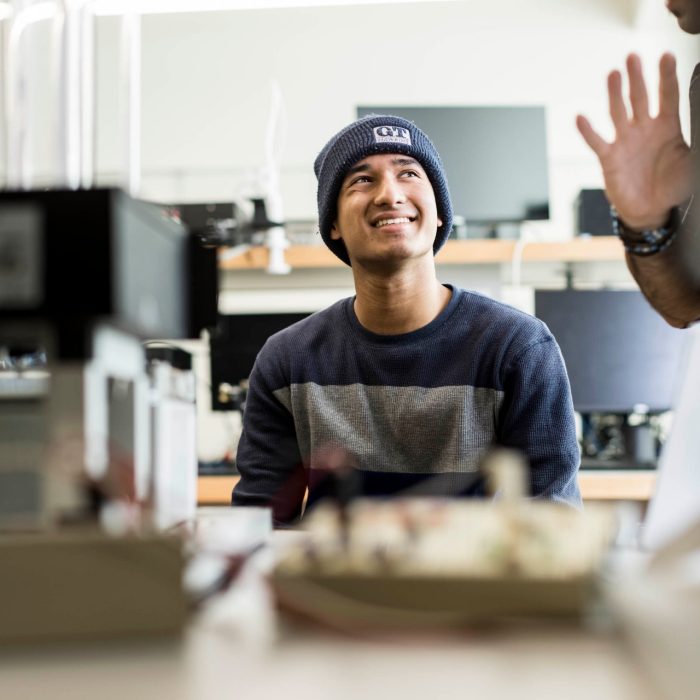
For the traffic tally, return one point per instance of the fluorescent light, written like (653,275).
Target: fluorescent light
(148,7)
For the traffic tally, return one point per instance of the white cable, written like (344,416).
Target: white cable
(87,95)
(6,11)
(61,88)
(72,127)
(516,262)
(276,239)
(130,83)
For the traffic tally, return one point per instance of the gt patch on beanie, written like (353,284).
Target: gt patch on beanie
(371,135)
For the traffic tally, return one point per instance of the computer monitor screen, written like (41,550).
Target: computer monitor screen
(619,352)
(235,345)
(495,158)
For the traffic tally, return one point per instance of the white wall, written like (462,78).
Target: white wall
(206,84)
(207,77)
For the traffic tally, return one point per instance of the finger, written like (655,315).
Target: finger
(597,143)
(618,111)
(668,86)
(639,99)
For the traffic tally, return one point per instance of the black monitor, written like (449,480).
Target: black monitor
(495,158)
(619,353)
(235,345)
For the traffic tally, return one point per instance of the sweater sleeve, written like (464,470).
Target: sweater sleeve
(268,458)
(537,418)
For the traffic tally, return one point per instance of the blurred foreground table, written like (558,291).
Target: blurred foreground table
(523,663)
(236,647)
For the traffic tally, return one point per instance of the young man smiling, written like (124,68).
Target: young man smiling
(410,380)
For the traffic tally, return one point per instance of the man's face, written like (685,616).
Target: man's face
(688,14)
(386,210)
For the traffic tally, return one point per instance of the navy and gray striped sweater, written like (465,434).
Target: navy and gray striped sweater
(423,404)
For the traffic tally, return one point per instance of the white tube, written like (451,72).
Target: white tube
(87,96)
(275,239)
(59,90)
(516,263)
(5,14)
(130,84)
(19,119)
(72,113)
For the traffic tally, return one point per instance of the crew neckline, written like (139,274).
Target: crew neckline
(402,338)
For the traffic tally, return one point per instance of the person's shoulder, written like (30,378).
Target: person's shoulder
(500,314)
(505,332)
(298,346)
(308,330)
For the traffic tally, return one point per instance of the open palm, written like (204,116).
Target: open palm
(647,168)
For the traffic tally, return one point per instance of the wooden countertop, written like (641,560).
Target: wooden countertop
(621,485)
(455,252)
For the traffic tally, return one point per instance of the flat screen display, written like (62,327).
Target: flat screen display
(619,352)
(495,158)
(236,343)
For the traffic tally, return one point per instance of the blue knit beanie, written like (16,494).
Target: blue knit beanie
(373,134)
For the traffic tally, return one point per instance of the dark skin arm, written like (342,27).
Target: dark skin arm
(647,170)
(668,282)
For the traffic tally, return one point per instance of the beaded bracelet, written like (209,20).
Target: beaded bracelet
(647,242)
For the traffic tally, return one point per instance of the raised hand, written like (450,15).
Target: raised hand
(647,168)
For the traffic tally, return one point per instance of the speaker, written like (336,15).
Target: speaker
(593,214)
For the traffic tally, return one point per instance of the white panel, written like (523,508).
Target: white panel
(676,502)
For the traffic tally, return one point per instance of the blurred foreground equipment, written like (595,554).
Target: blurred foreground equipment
(83,585)
(437,562)
(88,429)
